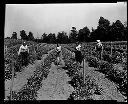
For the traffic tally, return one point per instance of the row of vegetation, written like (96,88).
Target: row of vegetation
(82,90)
(12,57)
(95,82)
(29,90)
(105,31)
(113,66)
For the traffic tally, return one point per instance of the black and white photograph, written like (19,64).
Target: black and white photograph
(65,51)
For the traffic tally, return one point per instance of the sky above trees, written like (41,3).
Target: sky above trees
(40,18)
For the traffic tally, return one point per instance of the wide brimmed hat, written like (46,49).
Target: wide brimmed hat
(98,40)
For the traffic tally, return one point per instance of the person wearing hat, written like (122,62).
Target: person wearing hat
(78,54)
(99,48)
(58,53)
(23,53)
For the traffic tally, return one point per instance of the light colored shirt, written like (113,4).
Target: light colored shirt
(99,44)
(59,48)
(23,49)
(78,47)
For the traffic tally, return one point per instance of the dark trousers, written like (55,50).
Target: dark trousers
(78,56)
(24,58)
(78,60)
(98,54)
(58,53)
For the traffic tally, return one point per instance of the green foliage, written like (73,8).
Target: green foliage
(23,35)
(62,37)
(44,38)
(73,36)
(117,31)
(105,31)
(14,35)
(104,67)
(30,36)
(107,57)
(29,90)
(92,61)
(7,72)
(83,34)
(51,38)
(119,76)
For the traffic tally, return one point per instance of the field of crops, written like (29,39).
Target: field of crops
(104,79)
(36,50)
(114,68)
(13,42)
(11,56)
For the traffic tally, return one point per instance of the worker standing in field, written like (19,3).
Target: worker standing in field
(58,53)
(23,53)
(78,54)
(99,49)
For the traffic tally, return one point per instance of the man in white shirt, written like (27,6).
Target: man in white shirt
(58,53)
(99,49)
(23,53)
(78,47)
(78,54)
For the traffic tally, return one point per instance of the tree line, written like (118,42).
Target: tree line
(104,32)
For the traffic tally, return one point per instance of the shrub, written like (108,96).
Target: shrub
(104,66)
(119,77)
(92,61)
(107,57)
(116,58)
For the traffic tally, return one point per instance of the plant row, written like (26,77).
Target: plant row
(94,81)
(29,90)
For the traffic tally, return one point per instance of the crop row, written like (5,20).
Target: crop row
(116,74)
(29,90)
(95,82)
(114,45)
(12,56)
(12,52)
(88,50)
(12,42)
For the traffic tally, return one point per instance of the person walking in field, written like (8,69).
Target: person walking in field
(58,54)
(99,49)
(78,54)
(23,53)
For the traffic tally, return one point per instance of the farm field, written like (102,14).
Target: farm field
(42,79)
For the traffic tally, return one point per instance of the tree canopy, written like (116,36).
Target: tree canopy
(105,31)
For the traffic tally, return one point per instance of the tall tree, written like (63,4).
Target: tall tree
(93,36)
(23,35)
(14,35)
(73,36)
(83,34)
(103,29)
(62,37)
(117,31)
(30,36)
(51,38)
(44,37)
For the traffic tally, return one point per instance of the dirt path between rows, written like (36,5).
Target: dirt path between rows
(108,89)
(55,86)
(21,77)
